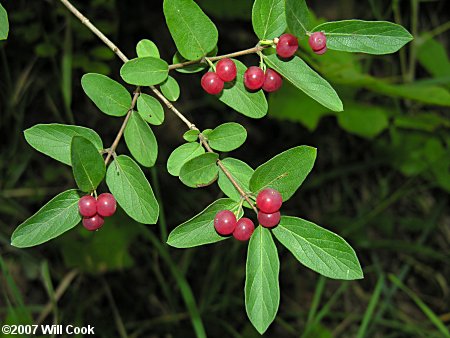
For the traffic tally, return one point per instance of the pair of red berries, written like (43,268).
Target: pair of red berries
(254,79)
(95,210)
(268,201)
(213,82)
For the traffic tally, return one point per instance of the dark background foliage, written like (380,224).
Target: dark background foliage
(381,181)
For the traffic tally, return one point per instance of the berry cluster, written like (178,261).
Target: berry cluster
(213,82)
(95,210)
(268,202)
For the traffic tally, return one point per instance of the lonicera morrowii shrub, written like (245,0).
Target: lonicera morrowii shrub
(278,25)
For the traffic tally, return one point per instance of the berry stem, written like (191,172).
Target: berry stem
(253,50)
(168,104)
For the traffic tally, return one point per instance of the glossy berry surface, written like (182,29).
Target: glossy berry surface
(106,205)
(244,229)
(212,83)
(87,205)
(272,81)
(287,45)
(318,42)
(269,220)
(225,222)
(269,201)
(226,70)
(254,78)
(93,223)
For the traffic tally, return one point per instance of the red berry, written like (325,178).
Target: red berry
(106,205)
(287,45)
(322,51)
(87,205)
(226,70)
(212,83)
(225,222)
(253,78)
(318,42)
(269,201)
(272,81)
(93,223)
(244,229)
(269,220)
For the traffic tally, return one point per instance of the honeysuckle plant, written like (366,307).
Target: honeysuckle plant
(278,26)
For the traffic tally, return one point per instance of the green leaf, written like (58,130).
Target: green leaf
(54,218)
(200,171)
(147,71)
(200,230)
(236,96)
(371,37)
(150,109)
(4,24)
(285,172)
(141,141)
(363,120)
(146,48)
(227,136)
(194,34)
(87,164)
(191,135)
(181,155)
(133,192)
(307,80)
(241,173)
(432,55)
(262,291)
(54,140)
(170,89)
(108,95)
(297,17)
(268,18)
(318,249)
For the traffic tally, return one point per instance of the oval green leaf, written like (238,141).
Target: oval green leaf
(307,80)
(297,17)
(181,155)
(199,230)
(108,95)
(262,290)
(87,164)
(200,171)
(59,215)
(170,89)
(227,136)
(371,37)
(268,18)
(147,71)
(4,24)
(54,139)
(191,135)
(318,249)
(146,48)
(133,192)
(150,109)
(285,172)
(241,173)
(236,96)
(141,141)
(194,34)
